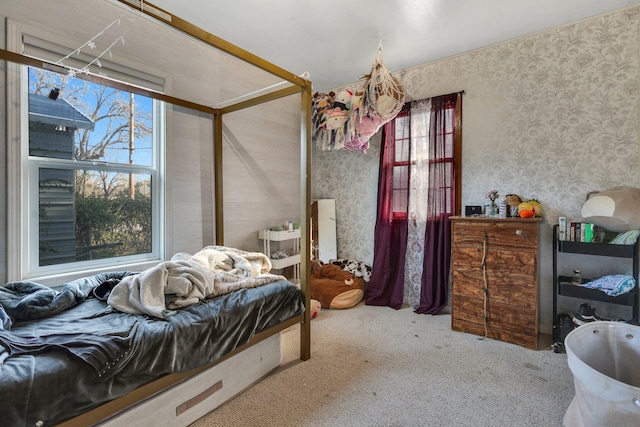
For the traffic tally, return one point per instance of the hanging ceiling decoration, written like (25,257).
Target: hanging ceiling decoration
(347,120)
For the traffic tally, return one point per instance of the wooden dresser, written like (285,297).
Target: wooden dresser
(509,247)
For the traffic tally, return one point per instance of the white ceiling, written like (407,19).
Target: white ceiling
(336,41)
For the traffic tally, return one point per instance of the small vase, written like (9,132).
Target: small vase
(493,208)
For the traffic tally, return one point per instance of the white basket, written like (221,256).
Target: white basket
(604,359)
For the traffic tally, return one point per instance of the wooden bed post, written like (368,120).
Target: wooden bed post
(305,208)
(217,181)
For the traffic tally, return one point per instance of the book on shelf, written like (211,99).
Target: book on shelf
(575,231)
(562,228)
(577,237)
(572,231)
(588,232)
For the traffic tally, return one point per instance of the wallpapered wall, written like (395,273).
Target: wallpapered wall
(553,116)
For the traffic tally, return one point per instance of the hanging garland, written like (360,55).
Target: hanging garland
(347,120)
(91,43)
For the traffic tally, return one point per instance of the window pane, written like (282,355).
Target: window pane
(400,193)
(402,151)
(70,118)
(88,215)
(400,201)
(57,216)
(400,176)
(403,121)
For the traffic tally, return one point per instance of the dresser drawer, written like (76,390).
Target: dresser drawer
(507,317)
(499,234)
(511,276)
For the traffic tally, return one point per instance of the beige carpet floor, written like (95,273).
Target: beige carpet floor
(375,366)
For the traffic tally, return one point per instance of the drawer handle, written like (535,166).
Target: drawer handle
(518,232)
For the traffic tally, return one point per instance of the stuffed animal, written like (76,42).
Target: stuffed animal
(357,268)
(336,118)
(335,288)
(616,209)
(343,100)
(314,307)
(356,101)
(512,200)
(321,104)
(385,105)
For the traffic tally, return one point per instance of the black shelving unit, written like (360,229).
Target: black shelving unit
(562,284)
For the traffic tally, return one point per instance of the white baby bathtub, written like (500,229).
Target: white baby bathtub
(604,358)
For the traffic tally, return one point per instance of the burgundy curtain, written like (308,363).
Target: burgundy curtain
(386,287)
(441,194)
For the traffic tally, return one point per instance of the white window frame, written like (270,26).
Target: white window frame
(23,183)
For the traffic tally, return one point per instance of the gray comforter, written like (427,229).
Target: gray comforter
(26,300)
(62,365)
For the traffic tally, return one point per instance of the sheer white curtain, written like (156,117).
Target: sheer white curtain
(418,199)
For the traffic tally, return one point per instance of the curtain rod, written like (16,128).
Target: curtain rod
(461,92)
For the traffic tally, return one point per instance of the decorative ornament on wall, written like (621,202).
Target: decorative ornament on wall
(346,120)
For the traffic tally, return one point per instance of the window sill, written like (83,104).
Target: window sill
(57,280)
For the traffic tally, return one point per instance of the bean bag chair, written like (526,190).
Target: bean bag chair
(335,288)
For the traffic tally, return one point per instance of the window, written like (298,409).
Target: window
(401,165)
(441,162)
(93,174)
(422,148)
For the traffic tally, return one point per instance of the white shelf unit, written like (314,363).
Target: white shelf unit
(268,236)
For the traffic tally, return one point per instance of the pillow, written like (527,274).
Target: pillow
(616,209)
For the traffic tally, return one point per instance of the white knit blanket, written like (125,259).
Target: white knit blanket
(188,279)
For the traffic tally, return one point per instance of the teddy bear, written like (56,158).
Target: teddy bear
(615,209)
(334,287)
(512,200)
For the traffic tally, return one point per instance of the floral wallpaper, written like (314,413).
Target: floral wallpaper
(351,178)
(551,116)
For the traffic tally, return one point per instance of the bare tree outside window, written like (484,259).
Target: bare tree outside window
(95,191)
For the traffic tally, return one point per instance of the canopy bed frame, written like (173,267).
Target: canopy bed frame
(115,411)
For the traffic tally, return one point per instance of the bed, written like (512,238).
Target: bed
(175,382)
(91,351)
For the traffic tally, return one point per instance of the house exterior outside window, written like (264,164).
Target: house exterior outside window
(92,178)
